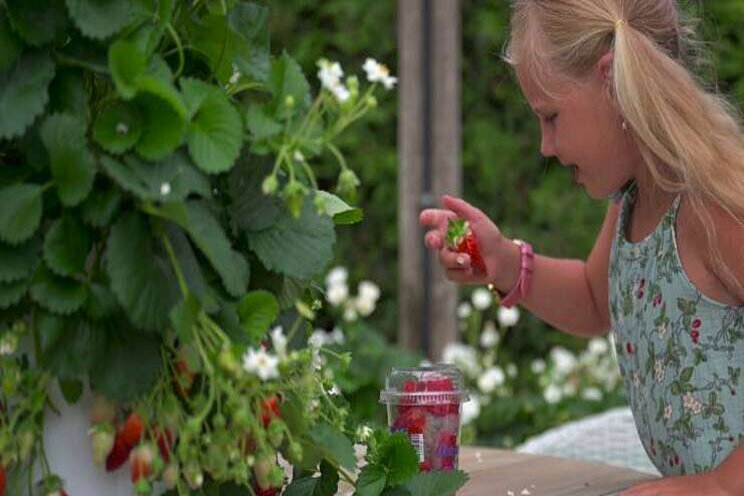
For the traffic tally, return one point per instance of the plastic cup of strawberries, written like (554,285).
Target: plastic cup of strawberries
(426,403)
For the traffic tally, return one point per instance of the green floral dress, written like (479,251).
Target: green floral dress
(680,352)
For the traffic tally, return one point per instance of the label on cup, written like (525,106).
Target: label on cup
(417,440)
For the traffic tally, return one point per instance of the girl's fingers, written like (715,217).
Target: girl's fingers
(460,276)
(436,217)
(434,240)
(462,208)
(453,260)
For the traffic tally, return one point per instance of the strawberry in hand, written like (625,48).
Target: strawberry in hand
(460,238)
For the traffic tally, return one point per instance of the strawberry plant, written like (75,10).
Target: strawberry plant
(161,211)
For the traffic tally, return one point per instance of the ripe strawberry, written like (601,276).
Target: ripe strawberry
(126,439)
(131,431)
(2,480)
(412,421)
(461,239)
(269,410)
(141,463)
(102,441)
(165,444)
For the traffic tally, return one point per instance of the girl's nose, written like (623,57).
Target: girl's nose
(547,146)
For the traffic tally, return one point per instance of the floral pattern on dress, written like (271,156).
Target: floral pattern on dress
(680,353)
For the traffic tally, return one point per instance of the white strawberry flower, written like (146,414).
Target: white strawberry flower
(552,394)
(261,363)
(341,93)
(330,73)
(337,275)
(337,293)
(592,394)
(597,346)
(279,341)
(165,189)
(337,336)
(508,317)
(8,344)
(464,310)
(492,378)
(490,336)
(481,299)
(379,73)
(538,366)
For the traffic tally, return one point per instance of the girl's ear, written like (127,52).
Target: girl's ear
(603,72)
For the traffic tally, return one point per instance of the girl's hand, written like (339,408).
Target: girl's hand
(500,255)
(687,485)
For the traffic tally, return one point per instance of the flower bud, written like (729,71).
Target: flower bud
(270,185)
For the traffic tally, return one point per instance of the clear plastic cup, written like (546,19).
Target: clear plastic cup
(426,404)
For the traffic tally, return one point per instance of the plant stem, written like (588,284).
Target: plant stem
(176,268)
(179,46)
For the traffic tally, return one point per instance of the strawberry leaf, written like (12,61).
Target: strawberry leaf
(141,277)
(325,485)
(10,46)
(118,127)
(371,481)
(37,21)
(163,127)
(68,345)
(18,262)
(340,211)
(99,19)
(12,292)
(287,81)
(299,248)
(397,456)
(60,295)
(334,445)
(438,483)
(126,63)
(21,212)
(68,94)
(67,245)
(72,164)
(215,134)
(24,93)
(99,208)
(257,311)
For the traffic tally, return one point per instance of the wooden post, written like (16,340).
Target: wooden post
(429,164)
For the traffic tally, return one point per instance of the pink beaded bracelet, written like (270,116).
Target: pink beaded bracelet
(522,286)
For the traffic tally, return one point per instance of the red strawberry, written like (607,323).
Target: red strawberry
(461,239)
(126,439)
(141,462)
(425,466)
(412,421)
(269,410)
(2,480)
(165,444)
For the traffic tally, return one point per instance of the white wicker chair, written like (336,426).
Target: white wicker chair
(610,437)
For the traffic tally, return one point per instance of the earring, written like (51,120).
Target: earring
(624,125)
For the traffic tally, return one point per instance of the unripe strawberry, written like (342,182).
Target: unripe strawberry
(262,469)
(102,441)
(141,462)
(170,475)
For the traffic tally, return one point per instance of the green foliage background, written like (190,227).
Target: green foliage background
(504,174)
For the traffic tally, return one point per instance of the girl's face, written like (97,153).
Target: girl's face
(583,130)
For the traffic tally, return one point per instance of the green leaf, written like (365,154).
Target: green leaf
(257,311)
(215,134)
(68,345)
(163,127)
(18,262)
(126,63)
(71,390)
(67,245)
(371,481)
(99,18)
(12,292)
(251,210)
(60,295)
(141,278)
(99,208)
(287,80)
(260,124)
(207,234)
(72,164)
(341,212)
(437,483)
(183,317)
(118,127)
(146,180)
(325,485)
(686,374)
(24,93)
(69,94)
(21,212)
(300,248)
(37,21)
(334,445)
(398,457)
(10,46)
(250,24)
(114,374)
(101,303)
(190,268)
(214,42)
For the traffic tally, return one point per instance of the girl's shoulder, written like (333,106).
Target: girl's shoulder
(728,236)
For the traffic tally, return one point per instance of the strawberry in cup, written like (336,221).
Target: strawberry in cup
(425,403)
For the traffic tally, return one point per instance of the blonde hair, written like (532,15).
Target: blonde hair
(691,139)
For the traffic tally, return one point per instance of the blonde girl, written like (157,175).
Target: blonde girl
(617,104)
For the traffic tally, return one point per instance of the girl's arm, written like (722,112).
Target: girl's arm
(571,295)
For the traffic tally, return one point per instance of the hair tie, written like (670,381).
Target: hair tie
(619,23)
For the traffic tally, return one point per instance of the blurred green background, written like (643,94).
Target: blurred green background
(504,175)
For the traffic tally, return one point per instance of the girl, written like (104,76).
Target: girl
(616,104)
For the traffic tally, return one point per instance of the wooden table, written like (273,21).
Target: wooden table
(497,472)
